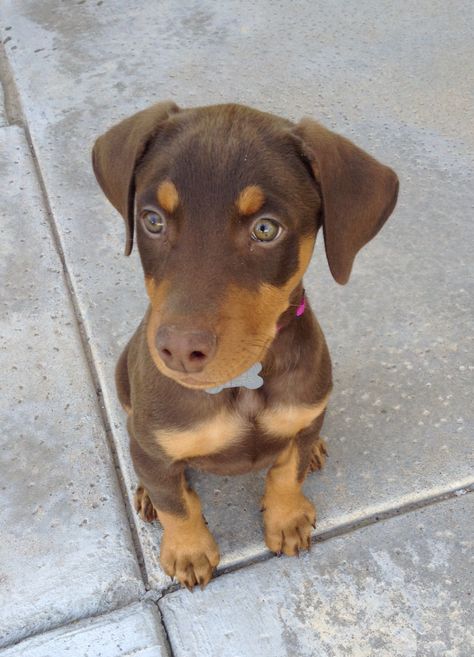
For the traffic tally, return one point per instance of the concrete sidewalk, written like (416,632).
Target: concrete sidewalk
(391,571)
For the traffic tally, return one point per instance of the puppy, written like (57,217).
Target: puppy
(229,371)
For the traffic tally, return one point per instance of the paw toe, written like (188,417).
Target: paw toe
(193,571)
(290,531)
(318,456)
(190,563)
(144,505)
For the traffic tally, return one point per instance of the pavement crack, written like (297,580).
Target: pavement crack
(166,635)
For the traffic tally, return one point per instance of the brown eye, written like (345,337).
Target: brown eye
(266,230)
(153,222)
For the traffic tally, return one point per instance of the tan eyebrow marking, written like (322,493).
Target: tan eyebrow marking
(250,199)
(167,196)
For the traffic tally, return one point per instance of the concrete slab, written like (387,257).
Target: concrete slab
(398,590)
(396,82)
(66,550)
(134,630)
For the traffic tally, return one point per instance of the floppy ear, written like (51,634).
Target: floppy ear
(116,154)
(358,193)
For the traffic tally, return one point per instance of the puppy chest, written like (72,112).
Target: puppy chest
(210,436)
(247,427)
(286,421)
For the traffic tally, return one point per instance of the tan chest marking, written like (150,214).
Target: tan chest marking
(287,421)
(209,437)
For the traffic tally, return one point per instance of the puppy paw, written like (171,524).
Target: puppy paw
(288,522)
(190,556)
(318,456)
(144,506)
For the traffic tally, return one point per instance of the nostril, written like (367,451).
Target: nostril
(197,355)
(185,350)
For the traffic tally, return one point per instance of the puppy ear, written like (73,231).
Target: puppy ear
(116,154)
(358,193)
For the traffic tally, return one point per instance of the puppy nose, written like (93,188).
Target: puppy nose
(185,350)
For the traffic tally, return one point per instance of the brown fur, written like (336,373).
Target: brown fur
(211,169)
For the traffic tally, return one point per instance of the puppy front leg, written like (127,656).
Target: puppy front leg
(287,514)
(188,550)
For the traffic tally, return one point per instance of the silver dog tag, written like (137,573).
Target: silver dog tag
(249,379)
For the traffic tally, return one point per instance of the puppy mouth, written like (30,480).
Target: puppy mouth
(189,381)
(200,383)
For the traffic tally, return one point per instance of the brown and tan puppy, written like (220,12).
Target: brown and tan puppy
(226,202)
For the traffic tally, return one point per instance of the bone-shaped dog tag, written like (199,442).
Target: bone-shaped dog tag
(249,379)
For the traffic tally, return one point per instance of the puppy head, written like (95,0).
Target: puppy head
(226,203)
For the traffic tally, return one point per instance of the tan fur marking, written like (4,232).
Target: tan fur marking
(283,475)
(156,293)
(287,421)
(167,196)
(188,550)
(206,438)
(150,286)
(288,515)
(250,200)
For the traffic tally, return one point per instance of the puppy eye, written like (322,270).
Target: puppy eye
(266,230)
(154,223)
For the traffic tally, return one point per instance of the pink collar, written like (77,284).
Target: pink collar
(302,307)
(299,311)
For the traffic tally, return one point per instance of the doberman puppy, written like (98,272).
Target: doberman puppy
(227,203)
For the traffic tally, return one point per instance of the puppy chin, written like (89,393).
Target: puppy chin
(200,380)
(195,382)
(192,382)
